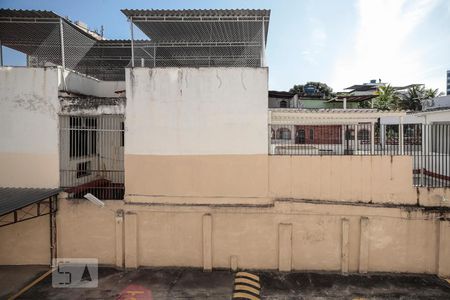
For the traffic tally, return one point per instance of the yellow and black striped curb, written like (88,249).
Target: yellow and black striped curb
(246,286)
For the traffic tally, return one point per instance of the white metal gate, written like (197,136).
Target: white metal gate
(91,155)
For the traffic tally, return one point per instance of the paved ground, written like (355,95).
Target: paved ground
(194,284)
(13,278)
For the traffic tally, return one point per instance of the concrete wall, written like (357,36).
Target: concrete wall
(247,178)
(375,179)
(26,242)
(29,127)
(287,235)
(85,230)
(187,111)
(196,176)
(441,117)
(81,84)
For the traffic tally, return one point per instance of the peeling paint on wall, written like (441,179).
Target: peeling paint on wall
(92,105)
(34,102)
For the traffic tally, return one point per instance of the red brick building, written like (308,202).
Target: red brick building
(318,134)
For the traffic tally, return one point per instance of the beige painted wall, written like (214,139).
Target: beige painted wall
(252,236)
(86,230)
(192,176)
(29,170)
(394,240)
(376,179)
(26,243)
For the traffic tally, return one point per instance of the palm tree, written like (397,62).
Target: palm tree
(431,93)
(387,98)
(412,99)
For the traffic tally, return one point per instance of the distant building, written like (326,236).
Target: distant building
(371,87)
(280,99)
(365,89)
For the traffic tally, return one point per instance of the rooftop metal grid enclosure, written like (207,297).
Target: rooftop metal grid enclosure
(203,38)
(179,38)
(48,39)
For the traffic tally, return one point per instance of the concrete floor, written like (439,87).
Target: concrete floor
(195,284)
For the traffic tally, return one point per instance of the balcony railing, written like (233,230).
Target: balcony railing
(429,145)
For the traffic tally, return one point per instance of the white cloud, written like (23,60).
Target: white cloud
(382,47)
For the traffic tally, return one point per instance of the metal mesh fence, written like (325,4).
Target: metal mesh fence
(213,43)
(76,46)
(47,52)
(196,55)
(198,38)
(428,145)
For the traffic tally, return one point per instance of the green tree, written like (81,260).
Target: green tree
(431,93)
(321,87)
(298,89)
(365,104)
(414,96)
(412,99)
(387,98)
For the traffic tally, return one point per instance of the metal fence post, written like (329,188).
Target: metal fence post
(154,56)
(372,138)
(132,42)
(1,54)
(401,137)
(61,35)
(263,43)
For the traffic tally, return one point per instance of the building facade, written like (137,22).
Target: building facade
(204,183)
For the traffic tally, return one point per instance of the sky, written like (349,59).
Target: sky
(340,43)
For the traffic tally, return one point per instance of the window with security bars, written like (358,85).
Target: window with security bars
(83,136)
(84,169)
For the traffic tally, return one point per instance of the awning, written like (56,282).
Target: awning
(202,38)
(281,94)
(38,34)
(352,98)
(13,200)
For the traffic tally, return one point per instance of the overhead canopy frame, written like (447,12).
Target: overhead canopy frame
(179,38)
(48,39)
(203,38)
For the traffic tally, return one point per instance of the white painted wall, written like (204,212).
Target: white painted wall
(29,127)
(423,117)
(437,102)
(82,84)
(177,111)
(407,119)
(438,116)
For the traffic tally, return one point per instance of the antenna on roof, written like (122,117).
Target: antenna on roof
(101,30)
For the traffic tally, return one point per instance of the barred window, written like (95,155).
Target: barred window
(83,136)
